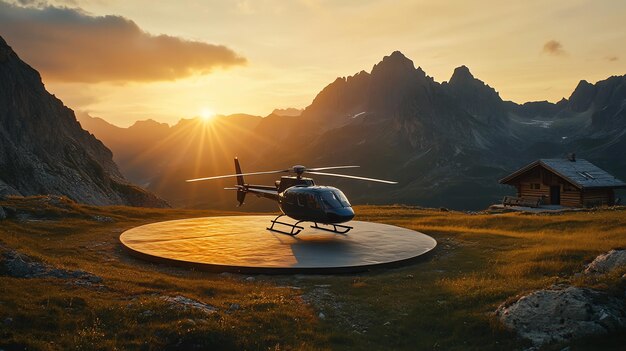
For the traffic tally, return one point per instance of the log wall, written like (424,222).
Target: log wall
(598,197)
(570,196)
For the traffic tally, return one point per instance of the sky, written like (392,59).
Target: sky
(132,60)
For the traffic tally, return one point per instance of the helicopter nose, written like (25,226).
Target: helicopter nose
(340,215)
(345,214)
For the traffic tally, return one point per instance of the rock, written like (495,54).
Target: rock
(321,315)
(3,215)
(146,313)
(607,262)
(250,279)
(185,302)
(46,151)
(233,307)
(103,219)
(561,313)
(18,265)
(190,322)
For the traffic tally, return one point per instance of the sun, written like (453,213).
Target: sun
(206,114)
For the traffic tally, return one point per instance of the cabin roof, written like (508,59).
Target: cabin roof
(581,173)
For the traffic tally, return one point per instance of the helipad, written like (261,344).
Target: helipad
(242,244)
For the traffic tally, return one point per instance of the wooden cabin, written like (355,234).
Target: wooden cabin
(566,182)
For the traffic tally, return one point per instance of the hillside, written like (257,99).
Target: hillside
(72,286)
(446,143)
(44,150)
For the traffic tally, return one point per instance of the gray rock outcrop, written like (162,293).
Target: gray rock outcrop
(560,314)
(607,262)
(17,265)
(184,303)
(44,150)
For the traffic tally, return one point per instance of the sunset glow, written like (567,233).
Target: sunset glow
(207,114)
(170,57)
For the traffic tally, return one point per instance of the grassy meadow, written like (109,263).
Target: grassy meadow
(445,302)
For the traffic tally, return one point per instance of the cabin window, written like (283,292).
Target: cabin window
(330,200)
(535,186)
(587,175)
(311,201)
(567,187)
(306,200)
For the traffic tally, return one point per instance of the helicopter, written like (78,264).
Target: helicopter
(300,198)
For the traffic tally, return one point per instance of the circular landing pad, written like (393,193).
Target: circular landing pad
(242,244)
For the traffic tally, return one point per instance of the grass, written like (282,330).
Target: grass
(446,302)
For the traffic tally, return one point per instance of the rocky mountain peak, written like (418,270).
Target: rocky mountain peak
(5,50)
(463,82)
(394,64)
(461,74)
(44,150)
(478,99)
(582,97)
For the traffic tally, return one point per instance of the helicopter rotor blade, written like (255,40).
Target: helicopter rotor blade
(354,177)
(237,175)
(332,167)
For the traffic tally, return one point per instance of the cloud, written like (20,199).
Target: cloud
(553,47)
(612,58)
(70,45)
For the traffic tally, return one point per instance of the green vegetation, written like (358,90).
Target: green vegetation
(445,302)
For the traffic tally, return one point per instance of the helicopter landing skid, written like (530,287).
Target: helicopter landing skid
(295,228)
(343,228)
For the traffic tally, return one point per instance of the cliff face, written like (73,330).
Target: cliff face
(44,150)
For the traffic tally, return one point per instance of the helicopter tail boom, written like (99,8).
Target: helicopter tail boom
(241,186)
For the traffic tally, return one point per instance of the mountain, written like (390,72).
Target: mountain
(287,112)
(160,157)
(446,143)
(44,150)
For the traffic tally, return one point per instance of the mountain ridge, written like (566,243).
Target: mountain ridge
(447,143)
(44,150)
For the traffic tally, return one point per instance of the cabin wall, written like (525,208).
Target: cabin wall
(598,197)
(527,184)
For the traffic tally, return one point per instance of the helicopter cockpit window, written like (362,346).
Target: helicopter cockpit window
(330,200)
(311,201)
(342,198)
(308,200)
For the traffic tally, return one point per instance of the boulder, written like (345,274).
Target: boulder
(18,265)
(607,262)
(185,303)
(563,313)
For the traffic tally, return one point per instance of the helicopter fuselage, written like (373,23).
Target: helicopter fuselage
(302,200)
(312,203)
